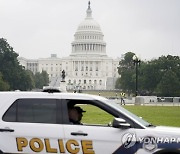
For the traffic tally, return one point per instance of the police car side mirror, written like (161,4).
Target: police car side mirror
(120,123)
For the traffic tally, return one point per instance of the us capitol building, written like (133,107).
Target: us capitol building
(87,67)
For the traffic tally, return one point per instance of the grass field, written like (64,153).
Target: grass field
(95,115)
(157,115)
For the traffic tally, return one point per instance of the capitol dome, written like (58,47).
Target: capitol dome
(88,39)
(89,25)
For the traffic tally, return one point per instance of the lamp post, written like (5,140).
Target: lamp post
(136,61)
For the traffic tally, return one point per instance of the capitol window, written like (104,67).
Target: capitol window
(95,82)
(82,68)
(96,68)
(100,82)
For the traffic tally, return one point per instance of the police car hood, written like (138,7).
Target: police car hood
(166,130)
(160,132)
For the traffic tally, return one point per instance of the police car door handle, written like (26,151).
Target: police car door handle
(6,130)
(79,134)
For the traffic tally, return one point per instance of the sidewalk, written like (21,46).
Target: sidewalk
(132,102)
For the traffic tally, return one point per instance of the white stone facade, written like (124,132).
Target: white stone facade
(87,67)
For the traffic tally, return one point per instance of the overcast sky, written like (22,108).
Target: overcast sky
(39,28)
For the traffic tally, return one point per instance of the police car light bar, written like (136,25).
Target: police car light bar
(50,89)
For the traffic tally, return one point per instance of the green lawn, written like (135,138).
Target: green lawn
(94,115)
(157,115)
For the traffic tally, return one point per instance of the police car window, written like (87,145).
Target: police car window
(95,115)
(32,111)
(86,113)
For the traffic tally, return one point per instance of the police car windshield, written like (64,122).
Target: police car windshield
(127,113)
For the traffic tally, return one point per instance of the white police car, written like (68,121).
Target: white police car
(38,122)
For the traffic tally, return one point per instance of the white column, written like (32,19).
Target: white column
(79,68)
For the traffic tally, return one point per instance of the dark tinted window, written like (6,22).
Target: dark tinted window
(32,111)
(10,115)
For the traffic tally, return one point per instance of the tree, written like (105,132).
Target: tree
(153,71)
(117,84)
(127,72)
(45,77)
(3,85)
(8,63)
(27,80)
(169,85)
(153,76)
(41,79)
(13,73)
(149,76)
(126,62)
